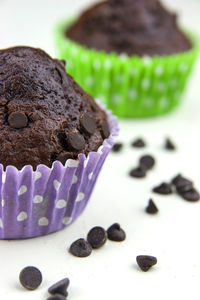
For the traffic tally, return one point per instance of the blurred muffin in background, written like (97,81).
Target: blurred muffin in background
(131,54)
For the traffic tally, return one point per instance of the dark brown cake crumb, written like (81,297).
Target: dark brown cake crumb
(44,115)
(141,27)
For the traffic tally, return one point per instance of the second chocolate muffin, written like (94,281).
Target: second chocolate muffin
(134,27)
(44,115)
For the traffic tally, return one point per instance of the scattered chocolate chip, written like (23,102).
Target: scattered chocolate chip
(105,130)
(139,143)
(80,248)
(191,195)
(151,208)
(76,141)
(145,262)
(163,189)
(97,237)
(182,184)
(117,147)
(57,297)
(62,157)
(18,120)
(137,172)
(116,233)
(169,145)
(30,278)
(182,188)
(60,287)
(88,124)
(147,162)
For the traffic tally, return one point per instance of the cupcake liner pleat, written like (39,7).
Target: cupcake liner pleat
(129,86)
(36,203)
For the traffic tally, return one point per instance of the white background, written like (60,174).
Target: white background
(172,235)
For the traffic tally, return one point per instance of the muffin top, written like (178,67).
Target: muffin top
(141,27)
(44,114)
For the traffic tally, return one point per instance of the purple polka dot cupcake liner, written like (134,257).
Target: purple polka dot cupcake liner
(36,203)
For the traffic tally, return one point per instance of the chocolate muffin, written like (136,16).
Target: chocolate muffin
(134,27)
(44,114)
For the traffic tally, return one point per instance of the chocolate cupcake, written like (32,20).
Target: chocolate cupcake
(132,27)
(54,139)
(138,46)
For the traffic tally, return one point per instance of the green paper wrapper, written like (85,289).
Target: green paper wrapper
(129,86)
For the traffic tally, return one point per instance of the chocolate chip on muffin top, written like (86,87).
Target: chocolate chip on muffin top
(141,27)
(44,114)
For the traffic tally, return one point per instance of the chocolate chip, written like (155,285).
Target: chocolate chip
(147,162)
(191,195)
(97,237)
(80,248)
(163,189)
(62,157)
(30,278)
(151,208)
(182,184)
(139,143)
(105,130)
(137,172)
(88,124)
(18,120)
(117,147)
(57,297)
(169,145)
(76,141)
(60,287)
(116,233)
(180,180)
(145,262)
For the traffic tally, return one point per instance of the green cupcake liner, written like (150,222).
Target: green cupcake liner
(129,86)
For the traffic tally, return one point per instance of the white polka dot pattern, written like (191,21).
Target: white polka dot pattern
(80,197)
(75,179)
(116,98)
(108,64)
(97,64)
(1,223)
(72,163)
(61,203)
(38,175)
(145,83)
(43,221)
(159,70)
(66,220)
(2,202)
(37,199)
(56,184)
(22,216)
(89,81)
(90,176)
(132,94)
(22,190)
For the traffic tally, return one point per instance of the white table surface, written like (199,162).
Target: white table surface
(172,235)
